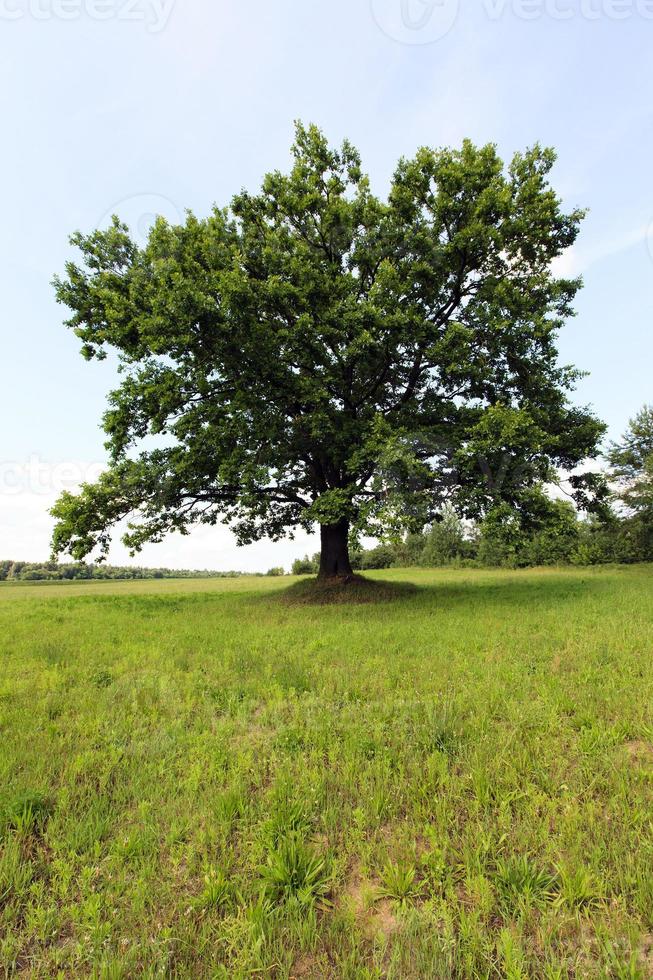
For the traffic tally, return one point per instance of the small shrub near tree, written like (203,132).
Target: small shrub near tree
(304,566)
(447,541)
(383,556)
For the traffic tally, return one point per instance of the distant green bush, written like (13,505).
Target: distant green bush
(304,566)
(384,556)
(447,542)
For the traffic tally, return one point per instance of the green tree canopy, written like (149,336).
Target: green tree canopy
(632,463)
(446,541)
(632,466)
(316,355)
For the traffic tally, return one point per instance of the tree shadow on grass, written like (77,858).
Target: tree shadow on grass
(516,589)
(356,591)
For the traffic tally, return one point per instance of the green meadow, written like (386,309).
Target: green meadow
(220,779)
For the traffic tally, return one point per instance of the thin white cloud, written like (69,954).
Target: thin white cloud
(579,258)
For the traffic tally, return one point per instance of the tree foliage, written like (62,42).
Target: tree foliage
(314,354)
(632,464)
(632,468)
(304,566)
(447,541)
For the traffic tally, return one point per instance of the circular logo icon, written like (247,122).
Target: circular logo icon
(139,212)
(415,21)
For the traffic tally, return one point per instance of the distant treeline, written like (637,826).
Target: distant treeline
(560,537)
(25,571)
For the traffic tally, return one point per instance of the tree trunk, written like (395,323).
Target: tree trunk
(334,553)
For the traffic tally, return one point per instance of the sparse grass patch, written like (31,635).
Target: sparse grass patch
(294,870)
(399,883)
(26,814)
(522,884)
(217,892)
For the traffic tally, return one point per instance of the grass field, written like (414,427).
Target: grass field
(204,779)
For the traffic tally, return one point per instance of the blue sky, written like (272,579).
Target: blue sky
(139,106)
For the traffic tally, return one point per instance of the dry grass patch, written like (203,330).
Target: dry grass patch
(640,752)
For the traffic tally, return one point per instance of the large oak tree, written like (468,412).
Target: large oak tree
(314,355)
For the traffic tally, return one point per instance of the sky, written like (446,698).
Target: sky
(139,107)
